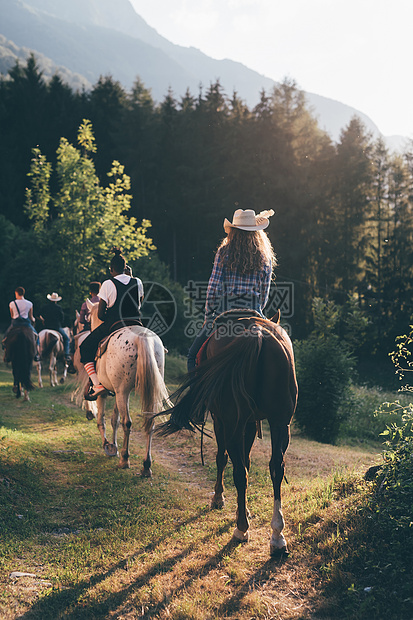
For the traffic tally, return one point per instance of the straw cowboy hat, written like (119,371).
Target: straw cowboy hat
(54,297)
(247,220)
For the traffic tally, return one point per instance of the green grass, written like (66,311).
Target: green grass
(106,543)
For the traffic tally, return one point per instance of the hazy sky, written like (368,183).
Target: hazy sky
(359,52)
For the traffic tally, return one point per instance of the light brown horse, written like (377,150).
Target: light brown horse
(246,375)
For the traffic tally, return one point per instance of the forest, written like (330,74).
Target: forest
(83,171)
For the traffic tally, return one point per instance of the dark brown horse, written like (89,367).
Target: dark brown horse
(246,375)
(20,350)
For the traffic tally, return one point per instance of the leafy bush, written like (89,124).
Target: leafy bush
(395,481)
(324,371)
(369,415)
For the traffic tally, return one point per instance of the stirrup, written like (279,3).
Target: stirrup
(92,395)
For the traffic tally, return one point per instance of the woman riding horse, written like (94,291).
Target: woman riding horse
(245,373)
(119,302)
(242,271)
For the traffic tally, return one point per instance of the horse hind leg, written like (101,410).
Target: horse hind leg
(240,476)
(17,390)
(122,402)
(53,371)
(218,499)
(39,374)
(280,438)
(111,449)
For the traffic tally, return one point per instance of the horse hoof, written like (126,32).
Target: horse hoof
(110,448)
(146,473)
(240,537)
(281,552)
(217,504)
(124,465)
(62,380)
(89,415)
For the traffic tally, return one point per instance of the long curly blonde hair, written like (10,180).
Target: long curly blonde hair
(247,251)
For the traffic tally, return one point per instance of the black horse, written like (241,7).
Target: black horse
(20,350)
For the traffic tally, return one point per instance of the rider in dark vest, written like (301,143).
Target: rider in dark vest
(120,299)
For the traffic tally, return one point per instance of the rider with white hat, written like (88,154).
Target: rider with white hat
(242,271)
(52,317)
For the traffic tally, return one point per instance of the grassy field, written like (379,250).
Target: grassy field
(98,542)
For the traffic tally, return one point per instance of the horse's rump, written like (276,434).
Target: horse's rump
(20,336)
(21,349)
(48,339)
(249,375)
(224,380)
(139,353)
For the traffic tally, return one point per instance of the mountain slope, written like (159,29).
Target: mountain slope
(91,38)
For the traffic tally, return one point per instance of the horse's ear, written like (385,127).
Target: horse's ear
(276,318)
(89,304)
(77,314)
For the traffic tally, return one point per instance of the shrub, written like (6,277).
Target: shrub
(324,372)
(395,481)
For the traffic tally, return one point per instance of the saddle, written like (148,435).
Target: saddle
(116,327)
(234,315)
(224,320)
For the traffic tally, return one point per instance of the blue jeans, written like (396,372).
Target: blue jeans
(66,341)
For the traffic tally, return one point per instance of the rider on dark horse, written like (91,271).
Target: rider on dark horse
(242,272)
(21,312)
(120,300)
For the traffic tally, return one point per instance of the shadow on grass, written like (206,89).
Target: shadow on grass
(65,603)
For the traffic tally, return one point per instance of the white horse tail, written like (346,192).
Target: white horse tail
(149,380)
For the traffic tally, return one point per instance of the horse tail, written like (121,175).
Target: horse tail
(50,343)
(205,388)
(149,380)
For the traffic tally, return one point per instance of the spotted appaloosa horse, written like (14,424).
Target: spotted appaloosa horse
(246,375)
(20,348)
(134,358)
(51,348)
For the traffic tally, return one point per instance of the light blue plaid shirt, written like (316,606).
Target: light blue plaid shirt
(228,289)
